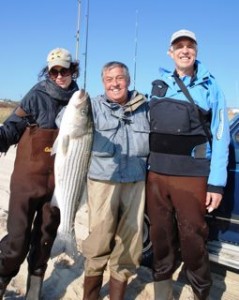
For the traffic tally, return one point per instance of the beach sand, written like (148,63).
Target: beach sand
(64,277)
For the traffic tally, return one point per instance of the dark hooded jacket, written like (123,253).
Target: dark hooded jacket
(41,105)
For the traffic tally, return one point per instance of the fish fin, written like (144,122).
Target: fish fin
(65,143)
(54,147)
(54,201)
(65,243)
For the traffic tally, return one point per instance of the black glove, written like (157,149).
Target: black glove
(11,131)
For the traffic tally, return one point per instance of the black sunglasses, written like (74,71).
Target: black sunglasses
(64,72)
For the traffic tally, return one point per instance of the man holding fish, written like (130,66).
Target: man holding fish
(116,184)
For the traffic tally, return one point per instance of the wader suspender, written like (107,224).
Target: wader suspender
(199,114)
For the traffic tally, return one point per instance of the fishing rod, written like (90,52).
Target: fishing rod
(135,48)
(78,30)
(86,42)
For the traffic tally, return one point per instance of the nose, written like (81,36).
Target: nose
(185,48)
(115,81)
(59,75)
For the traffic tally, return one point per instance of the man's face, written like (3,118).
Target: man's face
(184,53)
(116,85)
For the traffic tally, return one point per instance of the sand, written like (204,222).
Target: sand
(64,277)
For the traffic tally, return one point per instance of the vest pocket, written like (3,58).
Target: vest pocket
(170,116)
(140,137)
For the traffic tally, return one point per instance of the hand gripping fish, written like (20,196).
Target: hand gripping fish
(72,148)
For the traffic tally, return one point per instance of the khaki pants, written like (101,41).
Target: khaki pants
(116,212)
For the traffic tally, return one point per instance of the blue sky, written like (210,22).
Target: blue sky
(30,29)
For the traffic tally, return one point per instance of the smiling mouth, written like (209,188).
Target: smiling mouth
(115,91)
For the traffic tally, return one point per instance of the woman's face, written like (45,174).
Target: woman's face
(61,76)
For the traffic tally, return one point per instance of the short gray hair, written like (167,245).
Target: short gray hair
(113,64)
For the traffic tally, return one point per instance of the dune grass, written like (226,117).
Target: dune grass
(5,111)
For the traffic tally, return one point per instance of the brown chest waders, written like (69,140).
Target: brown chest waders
(32,223)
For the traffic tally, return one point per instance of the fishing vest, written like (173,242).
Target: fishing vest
(178,143)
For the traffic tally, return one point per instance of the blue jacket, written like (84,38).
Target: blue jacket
(209,98)
(120,144)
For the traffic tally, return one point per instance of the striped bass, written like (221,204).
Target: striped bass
(72,148)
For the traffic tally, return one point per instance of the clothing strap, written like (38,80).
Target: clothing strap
(199,114)
(22,114)
(133,104)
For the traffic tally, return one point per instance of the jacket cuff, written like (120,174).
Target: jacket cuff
(4,146)
(215,189)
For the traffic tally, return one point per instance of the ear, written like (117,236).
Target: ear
(129,82)
(170,52)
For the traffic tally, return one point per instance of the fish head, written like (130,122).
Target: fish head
(81,116)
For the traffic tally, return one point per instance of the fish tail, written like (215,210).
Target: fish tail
(65,243)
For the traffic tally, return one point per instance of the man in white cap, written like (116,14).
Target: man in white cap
(183,33)
(188,159)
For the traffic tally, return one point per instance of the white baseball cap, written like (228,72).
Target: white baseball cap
(183,33)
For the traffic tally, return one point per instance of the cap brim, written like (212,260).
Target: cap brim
(181,37)
(55,62)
